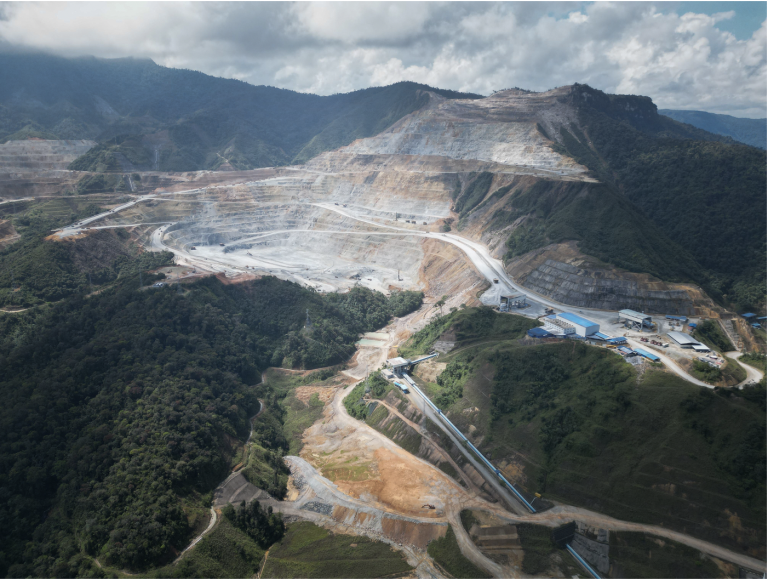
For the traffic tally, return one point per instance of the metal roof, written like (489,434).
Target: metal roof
(576,319)
(682,338)
(625,349)
(683,318)
(701,347)
(599,336)
(639,316)
(617,340)
(748,315)
(398,362)
(646,354)
(539,333)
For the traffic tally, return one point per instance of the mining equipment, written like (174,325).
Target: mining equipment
(193,248)
(428,506)
(335,204)
(344,205)
(221,244)
(495,280)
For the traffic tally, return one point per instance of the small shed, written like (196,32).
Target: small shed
(680,318)
(650,356)
(748,315)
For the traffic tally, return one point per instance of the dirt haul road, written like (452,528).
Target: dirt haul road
(478,254)
(753,374)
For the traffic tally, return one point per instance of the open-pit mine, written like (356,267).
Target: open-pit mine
(383,213)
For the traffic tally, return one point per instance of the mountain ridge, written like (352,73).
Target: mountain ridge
(209,121)
(742,129)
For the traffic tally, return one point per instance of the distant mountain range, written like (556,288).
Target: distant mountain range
(183,120)
(749,131)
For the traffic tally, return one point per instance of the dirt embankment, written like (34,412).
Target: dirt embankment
(97,249)
(8,233)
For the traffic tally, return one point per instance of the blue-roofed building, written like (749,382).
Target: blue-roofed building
(680,318)
(646,354)
(599,336)
(748,315)
(626,351)
(617,340)
(539,333)
(581,326)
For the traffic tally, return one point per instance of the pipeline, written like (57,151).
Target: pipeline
(469,443)
(581,561)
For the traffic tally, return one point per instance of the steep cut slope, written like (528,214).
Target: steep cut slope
(748,131)
(197,121)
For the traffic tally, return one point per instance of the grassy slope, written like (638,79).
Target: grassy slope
(606,225)
(308,551)
(585,430)
(445,551)
(710,333)
(226,552)
(637,555)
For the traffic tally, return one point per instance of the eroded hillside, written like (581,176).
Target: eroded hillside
(499,171)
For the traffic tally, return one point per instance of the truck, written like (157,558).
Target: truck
(402,387)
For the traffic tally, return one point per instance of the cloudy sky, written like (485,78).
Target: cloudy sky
(685,55)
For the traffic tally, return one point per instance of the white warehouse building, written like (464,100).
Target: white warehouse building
(568,323)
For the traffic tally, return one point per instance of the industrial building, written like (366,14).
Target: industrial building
(512,302)
(400,365)
(650,356)
(581,326)
(557,327)
(539,333)
(635,319)
(687,341)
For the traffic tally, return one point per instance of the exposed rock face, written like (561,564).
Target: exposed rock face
(357,215)
(39,167)
(35,155)
(562,273)
(500,128)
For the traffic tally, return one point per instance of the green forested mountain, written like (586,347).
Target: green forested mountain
(193,121)
(749,131)
(122,408)
(704,191)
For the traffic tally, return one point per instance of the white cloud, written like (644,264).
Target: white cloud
(681,61)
